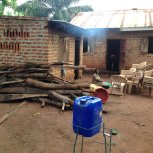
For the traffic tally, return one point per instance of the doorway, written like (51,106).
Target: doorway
(77,57)
(113,55)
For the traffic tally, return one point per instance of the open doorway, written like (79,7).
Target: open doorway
(77,57)
(113,54)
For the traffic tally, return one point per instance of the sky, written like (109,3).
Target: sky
(100,5)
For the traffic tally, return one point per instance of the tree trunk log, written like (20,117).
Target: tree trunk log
(40,84)
(53,94)
(51,102)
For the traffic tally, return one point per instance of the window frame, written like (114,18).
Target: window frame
(90,45)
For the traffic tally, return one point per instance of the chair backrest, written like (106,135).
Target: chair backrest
(148,67)
(140,66)
(148,73)
(136,65)
(131,73)
(143,64)
(133,70)
(124,72)
(118,79)
(139,75)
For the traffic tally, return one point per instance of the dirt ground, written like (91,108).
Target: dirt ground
(33,129)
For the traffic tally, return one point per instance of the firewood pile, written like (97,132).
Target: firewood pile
(35,82)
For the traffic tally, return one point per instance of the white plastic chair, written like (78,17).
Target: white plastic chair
(136,81)
(118,85)
(148,81)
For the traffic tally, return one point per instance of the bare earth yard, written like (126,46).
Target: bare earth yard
(33,129)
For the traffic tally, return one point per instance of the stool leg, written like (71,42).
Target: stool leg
(82,144)
(75,143)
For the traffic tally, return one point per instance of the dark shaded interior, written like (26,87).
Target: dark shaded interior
(77,57)
(113,55)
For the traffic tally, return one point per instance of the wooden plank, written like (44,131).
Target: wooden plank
(81,67)
(9,114)
(11,82)
(31,90)
(22,90)
(11,97)
(30,70)
(29,75)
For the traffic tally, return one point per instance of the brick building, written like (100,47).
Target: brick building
(120,37)
(28,39)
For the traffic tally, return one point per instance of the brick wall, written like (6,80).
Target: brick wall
(132,50)
(25,39)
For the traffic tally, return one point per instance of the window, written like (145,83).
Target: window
(85,45)
(147,45)
(63,49)
(150,45)
(89,45)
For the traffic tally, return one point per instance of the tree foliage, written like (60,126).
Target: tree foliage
(56,9)
(7,3)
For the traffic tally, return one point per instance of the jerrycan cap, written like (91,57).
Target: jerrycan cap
(83,101)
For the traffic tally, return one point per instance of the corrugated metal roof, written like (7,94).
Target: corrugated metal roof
(135,18)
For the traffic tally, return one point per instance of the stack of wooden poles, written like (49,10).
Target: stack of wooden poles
(35,82)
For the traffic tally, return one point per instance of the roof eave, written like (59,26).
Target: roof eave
(66,28)
(136,29)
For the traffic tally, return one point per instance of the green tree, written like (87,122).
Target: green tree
(56,9)
(7,3)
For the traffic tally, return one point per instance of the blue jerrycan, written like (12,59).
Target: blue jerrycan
(87,115)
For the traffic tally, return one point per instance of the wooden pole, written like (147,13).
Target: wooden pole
(11,97)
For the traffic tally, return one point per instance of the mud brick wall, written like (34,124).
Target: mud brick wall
(133,52)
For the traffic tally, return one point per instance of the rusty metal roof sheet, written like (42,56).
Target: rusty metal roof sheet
(123,19)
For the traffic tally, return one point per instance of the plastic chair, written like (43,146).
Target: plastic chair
(148,81)
(123,73)
(128,73)
(136,81)
(118,85)
(131,73)
(140,66)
